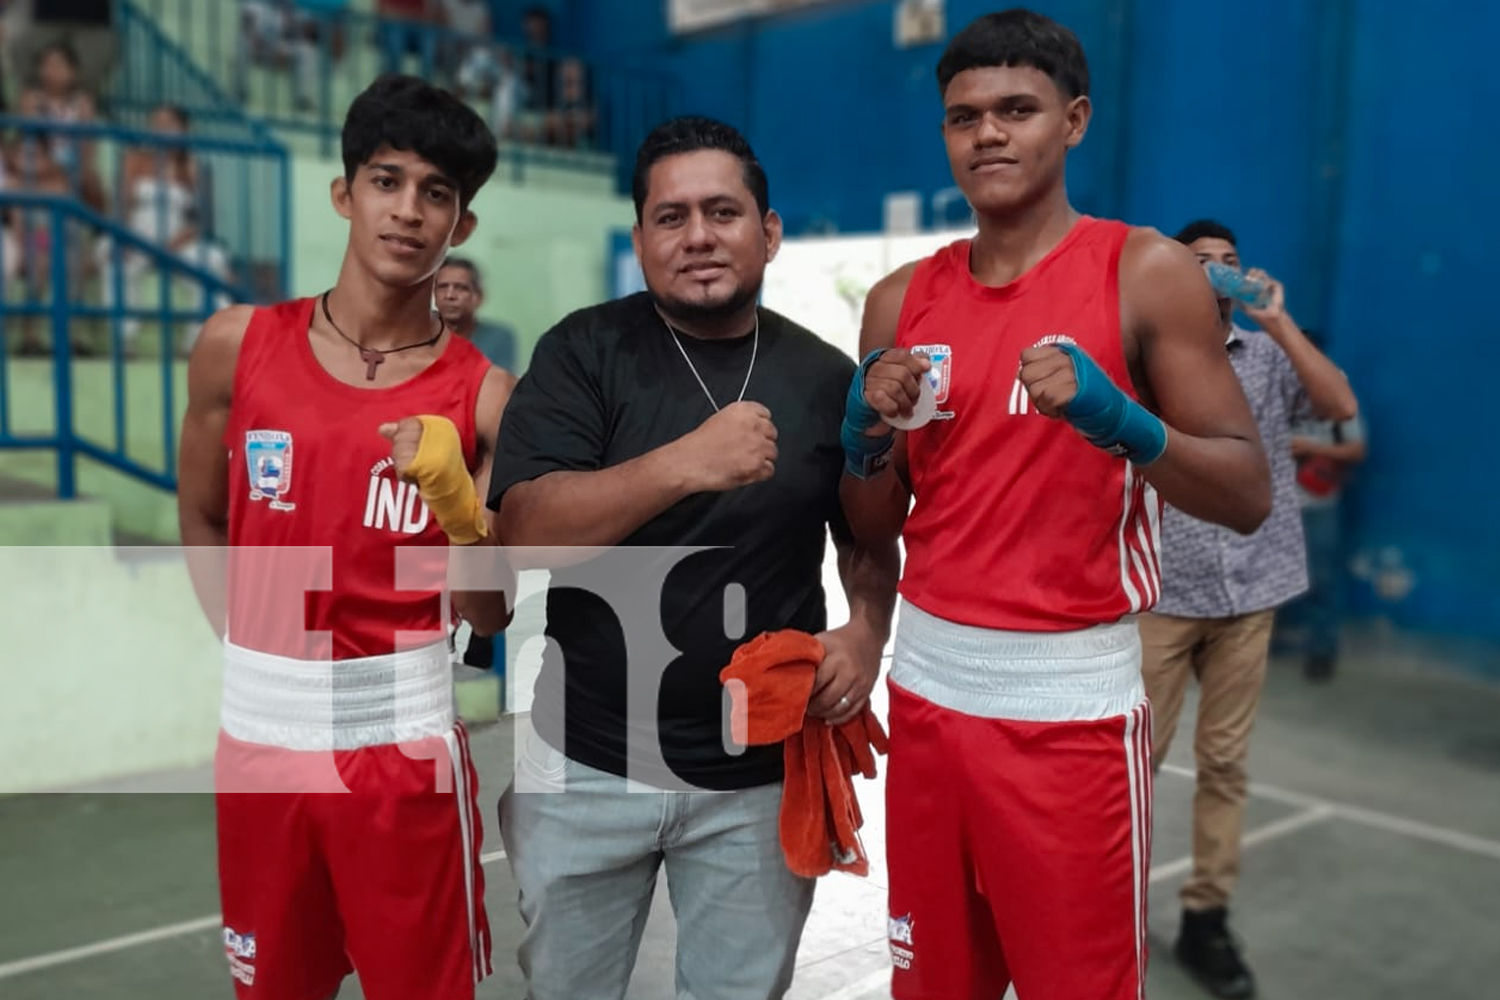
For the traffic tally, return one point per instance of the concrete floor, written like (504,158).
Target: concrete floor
(1372,869)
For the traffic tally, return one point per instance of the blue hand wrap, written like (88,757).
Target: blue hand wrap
(1108,418)
(864,454)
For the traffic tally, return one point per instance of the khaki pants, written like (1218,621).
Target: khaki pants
(1228,657)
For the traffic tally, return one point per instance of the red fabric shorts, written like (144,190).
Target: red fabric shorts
(1019,852)
(381,875)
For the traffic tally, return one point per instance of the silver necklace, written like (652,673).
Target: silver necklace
(754,348)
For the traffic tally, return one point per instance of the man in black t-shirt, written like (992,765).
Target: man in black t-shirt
(693,438)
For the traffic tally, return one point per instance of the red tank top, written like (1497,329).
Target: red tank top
(316,513)
(1018,522)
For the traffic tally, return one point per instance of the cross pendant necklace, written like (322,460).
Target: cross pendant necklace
(372,357)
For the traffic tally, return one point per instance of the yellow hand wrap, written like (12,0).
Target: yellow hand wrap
(445,484)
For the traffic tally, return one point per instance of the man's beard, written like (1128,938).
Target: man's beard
(694,313)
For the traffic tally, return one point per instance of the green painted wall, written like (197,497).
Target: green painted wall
(109,667)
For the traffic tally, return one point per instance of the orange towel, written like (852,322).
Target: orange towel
(770,680)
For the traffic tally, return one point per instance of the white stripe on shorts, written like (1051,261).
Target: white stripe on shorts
(458,751)
(1138,764)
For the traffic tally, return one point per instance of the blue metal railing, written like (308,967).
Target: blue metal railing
(157,70)
(78,270)
(243,201)
(300,80)
(62,311)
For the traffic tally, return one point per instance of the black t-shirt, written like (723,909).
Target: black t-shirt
(607,385)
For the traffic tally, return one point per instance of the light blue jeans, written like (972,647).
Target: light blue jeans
(585,853)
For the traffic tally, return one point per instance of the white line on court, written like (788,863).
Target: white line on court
(862,989)
(125,941)
(40,962)
(1315,810)
(1261,834)
(1417,829)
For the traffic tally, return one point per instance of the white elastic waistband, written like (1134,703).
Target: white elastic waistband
(337,704)
(1089,674)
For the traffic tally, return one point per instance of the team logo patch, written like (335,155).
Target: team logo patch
(902,951)
(269,457)
(940,375)
(239,949)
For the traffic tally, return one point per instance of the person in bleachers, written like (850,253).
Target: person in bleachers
(165,199)
(403,32)
(26,243)
(570,122)
(277,34)
(57,95)
(87,26)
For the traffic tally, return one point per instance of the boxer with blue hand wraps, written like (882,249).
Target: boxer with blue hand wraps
(1076,379)
(1065,382)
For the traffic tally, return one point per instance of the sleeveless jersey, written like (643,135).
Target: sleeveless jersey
(316,512)
(1018,522)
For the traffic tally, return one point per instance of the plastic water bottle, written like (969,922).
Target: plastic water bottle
(1232,283)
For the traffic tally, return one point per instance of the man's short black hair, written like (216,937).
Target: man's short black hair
(1018,37)
(689,134)
(409,114)
(1195,231)
(468,265)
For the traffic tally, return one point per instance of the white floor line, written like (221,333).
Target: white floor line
(1315,810)
(126,941)
(1259,835)
(1390,823)
(39,962)
(861,989)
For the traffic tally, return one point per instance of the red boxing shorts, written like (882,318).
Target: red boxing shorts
(1019,829)
(339,850)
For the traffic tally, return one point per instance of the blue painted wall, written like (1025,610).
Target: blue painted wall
(1413,288)
(1351,144)
(838,114)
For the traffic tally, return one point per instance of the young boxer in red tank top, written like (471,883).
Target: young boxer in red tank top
(335,448)
(1077,379)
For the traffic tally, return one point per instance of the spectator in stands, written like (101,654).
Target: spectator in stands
(484,70)
(275,33)
(403,31)
(86,26)
(165,199)
(27,240)
(458,291)
(538,80)
(56,95)
(570,123)
(466,50)
(489,71)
